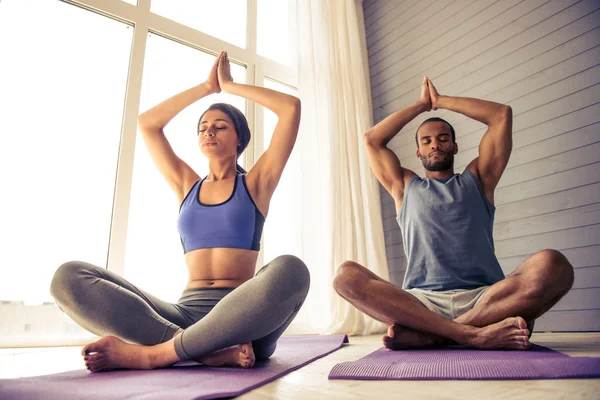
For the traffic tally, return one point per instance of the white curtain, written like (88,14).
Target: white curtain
(339,208)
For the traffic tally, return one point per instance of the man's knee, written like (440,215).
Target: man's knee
(554,271)
(348,279)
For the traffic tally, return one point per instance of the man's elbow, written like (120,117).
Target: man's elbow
(371,139)
(368,138)
(501,116)
(506,113)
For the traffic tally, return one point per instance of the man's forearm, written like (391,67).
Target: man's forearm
(487,112)
(385,130)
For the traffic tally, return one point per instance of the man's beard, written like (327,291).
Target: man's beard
(440,165)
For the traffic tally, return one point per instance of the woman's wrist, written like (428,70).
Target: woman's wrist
(210,89)
(228,86)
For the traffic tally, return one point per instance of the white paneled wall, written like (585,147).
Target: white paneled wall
(541,57)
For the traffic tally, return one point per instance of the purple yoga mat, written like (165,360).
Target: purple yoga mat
(184,382)
(459,363)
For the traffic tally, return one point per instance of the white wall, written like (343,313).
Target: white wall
(542,57)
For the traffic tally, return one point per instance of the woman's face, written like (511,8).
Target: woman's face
(217,136)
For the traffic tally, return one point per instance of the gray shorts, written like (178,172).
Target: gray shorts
(449,303)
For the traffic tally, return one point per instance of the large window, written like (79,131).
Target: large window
(223,19)
(79,184)
(274,39)
(62,83)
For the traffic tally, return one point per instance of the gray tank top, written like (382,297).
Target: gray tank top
(447,230)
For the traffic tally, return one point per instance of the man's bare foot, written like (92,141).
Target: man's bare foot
(511,333)
(241,355)
(399,337)
(112,353)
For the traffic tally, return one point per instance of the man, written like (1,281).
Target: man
(454,290)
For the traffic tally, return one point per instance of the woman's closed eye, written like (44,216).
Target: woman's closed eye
(216,127)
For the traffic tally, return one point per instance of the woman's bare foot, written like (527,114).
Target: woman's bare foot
(241,355)
(112,353)
(177,332)
(399,337)
(511,333)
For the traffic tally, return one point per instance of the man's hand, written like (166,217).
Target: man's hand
(434,96)
(425,100)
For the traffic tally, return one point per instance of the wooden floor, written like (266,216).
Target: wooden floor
(310,382)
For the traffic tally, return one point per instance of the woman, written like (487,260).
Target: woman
(225,315)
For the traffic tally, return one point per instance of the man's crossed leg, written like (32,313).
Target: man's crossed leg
(498,320)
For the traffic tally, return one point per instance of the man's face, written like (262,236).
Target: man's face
(436,149)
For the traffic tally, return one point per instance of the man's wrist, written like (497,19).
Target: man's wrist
(422,106)
(442,102)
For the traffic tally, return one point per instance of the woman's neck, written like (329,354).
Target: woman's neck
(221,169)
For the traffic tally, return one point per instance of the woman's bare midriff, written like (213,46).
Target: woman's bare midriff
(220,267)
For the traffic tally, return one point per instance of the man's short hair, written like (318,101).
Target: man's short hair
(435,119)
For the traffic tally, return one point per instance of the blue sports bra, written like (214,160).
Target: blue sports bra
(236,223)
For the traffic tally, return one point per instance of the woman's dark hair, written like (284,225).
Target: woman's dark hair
(435,119)
(239,122)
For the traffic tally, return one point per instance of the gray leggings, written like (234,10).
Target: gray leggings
(257,311)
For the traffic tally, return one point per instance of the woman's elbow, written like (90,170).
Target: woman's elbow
(295,103)
(148,122)
(292,107)
(143,120)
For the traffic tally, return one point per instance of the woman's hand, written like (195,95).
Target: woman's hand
(213,78)
(433,95)
(224,72)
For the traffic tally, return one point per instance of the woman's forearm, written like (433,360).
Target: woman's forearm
(279,103)
(159,116)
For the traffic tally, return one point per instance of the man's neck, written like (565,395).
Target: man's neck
(440,174)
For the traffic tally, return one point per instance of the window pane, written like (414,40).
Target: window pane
(273,30)
(280,233)
(62,102)
(223,19)
(134,2)
(154,258)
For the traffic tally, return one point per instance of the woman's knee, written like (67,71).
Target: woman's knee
(66,279)
(293,270)
(263,352)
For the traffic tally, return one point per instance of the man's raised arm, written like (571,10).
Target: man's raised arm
(496,144)
(384,162)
